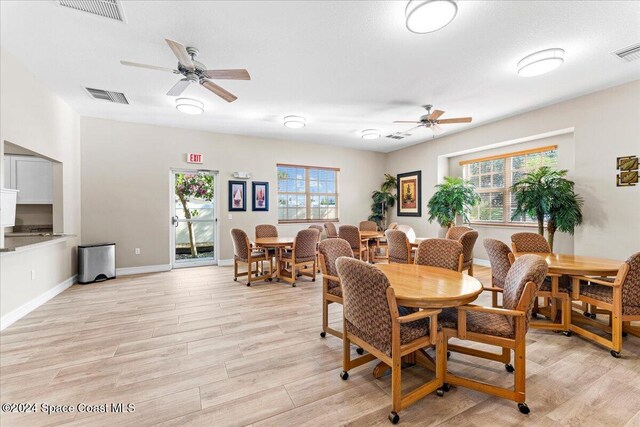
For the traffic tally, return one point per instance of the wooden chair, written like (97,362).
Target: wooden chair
(553,290)
(620,298)
(467,237)
(267,230)
(443,253)
(245,253)
(301,254)
(368,226)
(320,230)
(502,327)
(351,234)
(331,231)
(500,258)
(329,251)
(399,247)
(372,321)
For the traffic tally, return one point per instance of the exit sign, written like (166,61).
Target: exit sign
(194,158)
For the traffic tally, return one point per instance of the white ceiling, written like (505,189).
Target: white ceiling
(346,66)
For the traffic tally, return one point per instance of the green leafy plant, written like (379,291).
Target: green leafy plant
(194,186)
(453,197)
(546,194)
(383,200)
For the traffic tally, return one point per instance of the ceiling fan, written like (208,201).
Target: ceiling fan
(195,72)
(431,120)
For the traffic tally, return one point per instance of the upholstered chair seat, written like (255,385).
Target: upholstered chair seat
(351,234)
(331,230)
(443,253)
(303,253)
(530,242)
(245,253)
(399,247)
(368,226)
(483,323)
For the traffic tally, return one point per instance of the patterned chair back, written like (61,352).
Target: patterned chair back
(443,253)
(366,309)
(411,235)
(368,226)
(527,268)
(455,233)
(266,230)
(331,230)
(351,234)
(240,243)
(331,250)
(398,246)
(631,286)
(305,243)
(319,228)
(468,240)
(393,226)
(498,254)
(529,242)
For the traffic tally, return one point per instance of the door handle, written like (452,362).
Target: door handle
(174,221)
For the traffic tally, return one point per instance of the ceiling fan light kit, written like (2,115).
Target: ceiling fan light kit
(541,62)
(189,106)
(370,134)
(295,122)
(427,16)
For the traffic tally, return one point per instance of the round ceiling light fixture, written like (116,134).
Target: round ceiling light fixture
(295,122)
(540,62)
(426,16)
(370,134)
(189,106)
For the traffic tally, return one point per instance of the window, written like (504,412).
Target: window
(307,193)
(493,177)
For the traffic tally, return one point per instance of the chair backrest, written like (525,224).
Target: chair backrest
(399,247)
(468,241)
(411,235)
(331,230)
(392,226)
(319,228)
(499,259)
(240,243)
(330,250)
(367,313)
(305,243)
(351,234)
(443,253)
(266,230)
(527,268)
(631,285)
(454,233)
(529,242)
(368,226)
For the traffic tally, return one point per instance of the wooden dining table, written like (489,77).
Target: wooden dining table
(421,286)
(275,243)
(577,265)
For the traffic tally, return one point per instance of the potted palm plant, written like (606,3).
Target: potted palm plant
(546,194)
(383,200)
(453,197)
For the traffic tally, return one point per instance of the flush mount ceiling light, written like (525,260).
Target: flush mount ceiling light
(370,134)
(426,16)
(189,106)
(540,62)
(295,122)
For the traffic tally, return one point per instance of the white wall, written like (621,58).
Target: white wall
(125,182)
(606,126)
(33,117)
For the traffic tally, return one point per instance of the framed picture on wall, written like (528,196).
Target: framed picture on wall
(260,191)
(410,194)
(237,196)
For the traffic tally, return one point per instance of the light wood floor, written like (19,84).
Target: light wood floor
(193,347)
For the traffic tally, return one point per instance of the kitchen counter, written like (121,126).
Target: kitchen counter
(14,242)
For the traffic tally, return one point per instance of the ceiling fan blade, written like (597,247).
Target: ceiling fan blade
(455,120)
(179,87)
(435,114)
(152,67)
(405,121)
(222,93)
(239,74)
(181,53)
(437,130)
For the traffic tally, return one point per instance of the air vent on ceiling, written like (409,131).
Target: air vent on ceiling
(111,9)
(398,135)
(630,53)
(107,95)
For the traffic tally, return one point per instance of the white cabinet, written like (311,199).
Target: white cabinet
(33,176)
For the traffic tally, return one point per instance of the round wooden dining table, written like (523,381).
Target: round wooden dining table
(275,243)
(577,265)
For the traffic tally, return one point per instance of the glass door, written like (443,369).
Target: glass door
(193,218)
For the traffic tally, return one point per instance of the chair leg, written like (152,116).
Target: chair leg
(235,270)
(346,352)
(470,272)
(494,299)
(325,316)
(396,382)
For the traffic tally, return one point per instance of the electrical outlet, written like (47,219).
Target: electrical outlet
(33,275)
(230,216)
(137,250)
